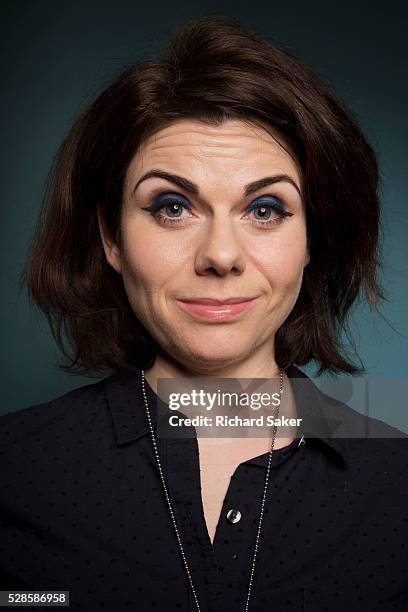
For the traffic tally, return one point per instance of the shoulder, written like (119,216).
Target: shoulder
(375,449)
(349,422)
(67,413)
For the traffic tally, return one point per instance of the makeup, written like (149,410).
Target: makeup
(217,313)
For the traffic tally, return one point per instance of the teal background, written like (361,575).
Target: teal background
(56,56)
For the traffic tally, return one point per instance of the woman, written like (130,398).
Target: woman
(224,172)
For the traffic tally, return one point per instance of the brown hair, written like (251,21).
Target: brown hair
(214,69)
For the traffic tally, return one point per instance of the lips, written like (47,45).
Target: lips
(210,301)
(216,310)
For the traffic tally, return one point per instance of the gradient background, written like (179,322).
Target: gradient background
(57,56)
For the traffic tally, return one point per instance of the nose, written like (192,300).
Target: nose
(220,249)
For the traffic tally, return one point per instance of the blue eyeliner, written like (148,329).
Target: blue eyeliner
(167,198)
(267,200)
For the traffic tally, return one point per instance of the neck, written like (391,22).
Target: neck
(257,366)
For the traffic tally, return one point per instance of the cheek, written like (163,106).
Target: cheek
(282,259)
(150,260)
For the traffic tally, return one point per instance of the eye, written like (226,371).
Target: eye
(173,204)
(270,208)
(267,205)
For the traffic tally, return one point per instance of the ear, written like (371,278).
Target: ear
(112,252)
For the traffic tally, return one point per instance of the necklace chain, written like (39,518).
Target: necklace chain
(166,493)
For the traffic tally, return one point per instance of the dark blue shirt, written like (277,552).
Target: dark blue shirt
(82,510)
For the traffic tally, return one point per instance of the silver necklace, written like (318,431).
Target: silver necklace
(251,577)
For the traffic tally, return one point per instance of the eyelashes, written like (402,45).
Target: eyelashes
(175,203)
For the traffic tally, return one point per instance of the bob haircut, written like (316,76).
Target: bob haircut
(214,69)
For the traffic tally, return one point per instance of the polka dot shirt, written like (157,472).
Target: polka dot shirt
(82,510)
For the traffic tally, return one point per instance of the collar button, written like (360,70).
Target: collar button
(233,516)
(302,441)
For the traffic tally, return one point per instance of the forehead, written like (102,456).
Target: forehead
(231,143)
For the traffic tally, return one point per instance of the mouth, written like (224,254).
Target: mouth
(217,310)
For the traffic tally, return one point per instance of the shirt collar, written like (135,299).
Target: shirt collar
(124,393)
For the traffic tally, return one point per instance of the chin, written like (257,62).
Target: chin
(213,344)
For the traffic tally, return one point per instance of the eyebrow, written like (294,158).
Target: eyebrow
(184,183)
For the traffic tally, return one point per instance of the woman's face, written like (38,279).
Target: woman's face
(228,239)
